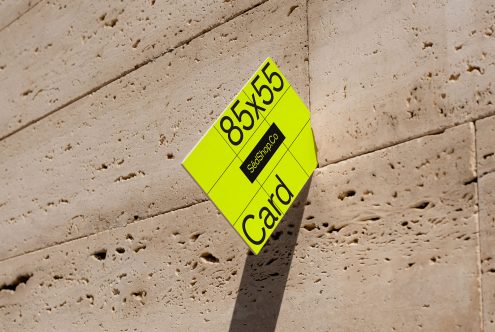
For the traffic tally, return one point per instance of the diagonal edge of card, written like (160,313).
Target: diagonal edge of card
(256,157)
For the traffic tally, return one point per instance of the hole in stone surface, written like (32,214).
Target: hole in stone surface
(111,23)
(170,156)
(27,92)
(335,229)
(454,77)
(292,8)
(139,296)
(472,68)
(310,227)
(421,205)
(373,218)
(195,236)
(208,257)
(120,250)
(129,176)
(21,279)
(346,194)
(140,247)
(271,261)
(427,45)
(471,181)
(136,43)
(100,254)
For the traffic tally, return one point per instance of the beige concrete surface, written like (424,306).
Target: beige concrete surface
(114,156)
(79,45)
(387,71)
(485,149)
(11,10)
(379,234)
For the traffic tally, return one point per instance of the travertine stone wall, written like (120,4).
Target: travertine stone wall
(114,156)
(101,229)
(386,228)
(487,237)
(394,70)
(83,45)
(485,143)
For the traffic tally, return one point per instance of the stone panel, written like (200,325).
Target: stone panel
(388,71)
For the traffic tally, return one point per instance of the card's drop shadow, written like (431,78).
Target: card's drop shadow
(265,275)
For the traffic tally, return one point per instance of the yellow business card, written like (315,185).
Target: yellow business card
(257,156)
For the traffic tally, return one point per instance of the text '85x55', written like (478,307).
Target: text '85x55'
(256,158)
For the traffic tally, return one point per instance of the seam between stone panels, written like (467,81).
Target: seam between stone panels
(139,220)
(20,15)
(478,229)
(482,175)
(136,67)
(433,132)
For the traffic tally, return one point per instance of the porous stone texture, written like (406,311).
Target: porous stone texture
(487,241)
(385,72)
(10,10)
(114,156)
(79,45)
(388,241)
(161,274)
(485,149)
(101,229)
(485,145)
